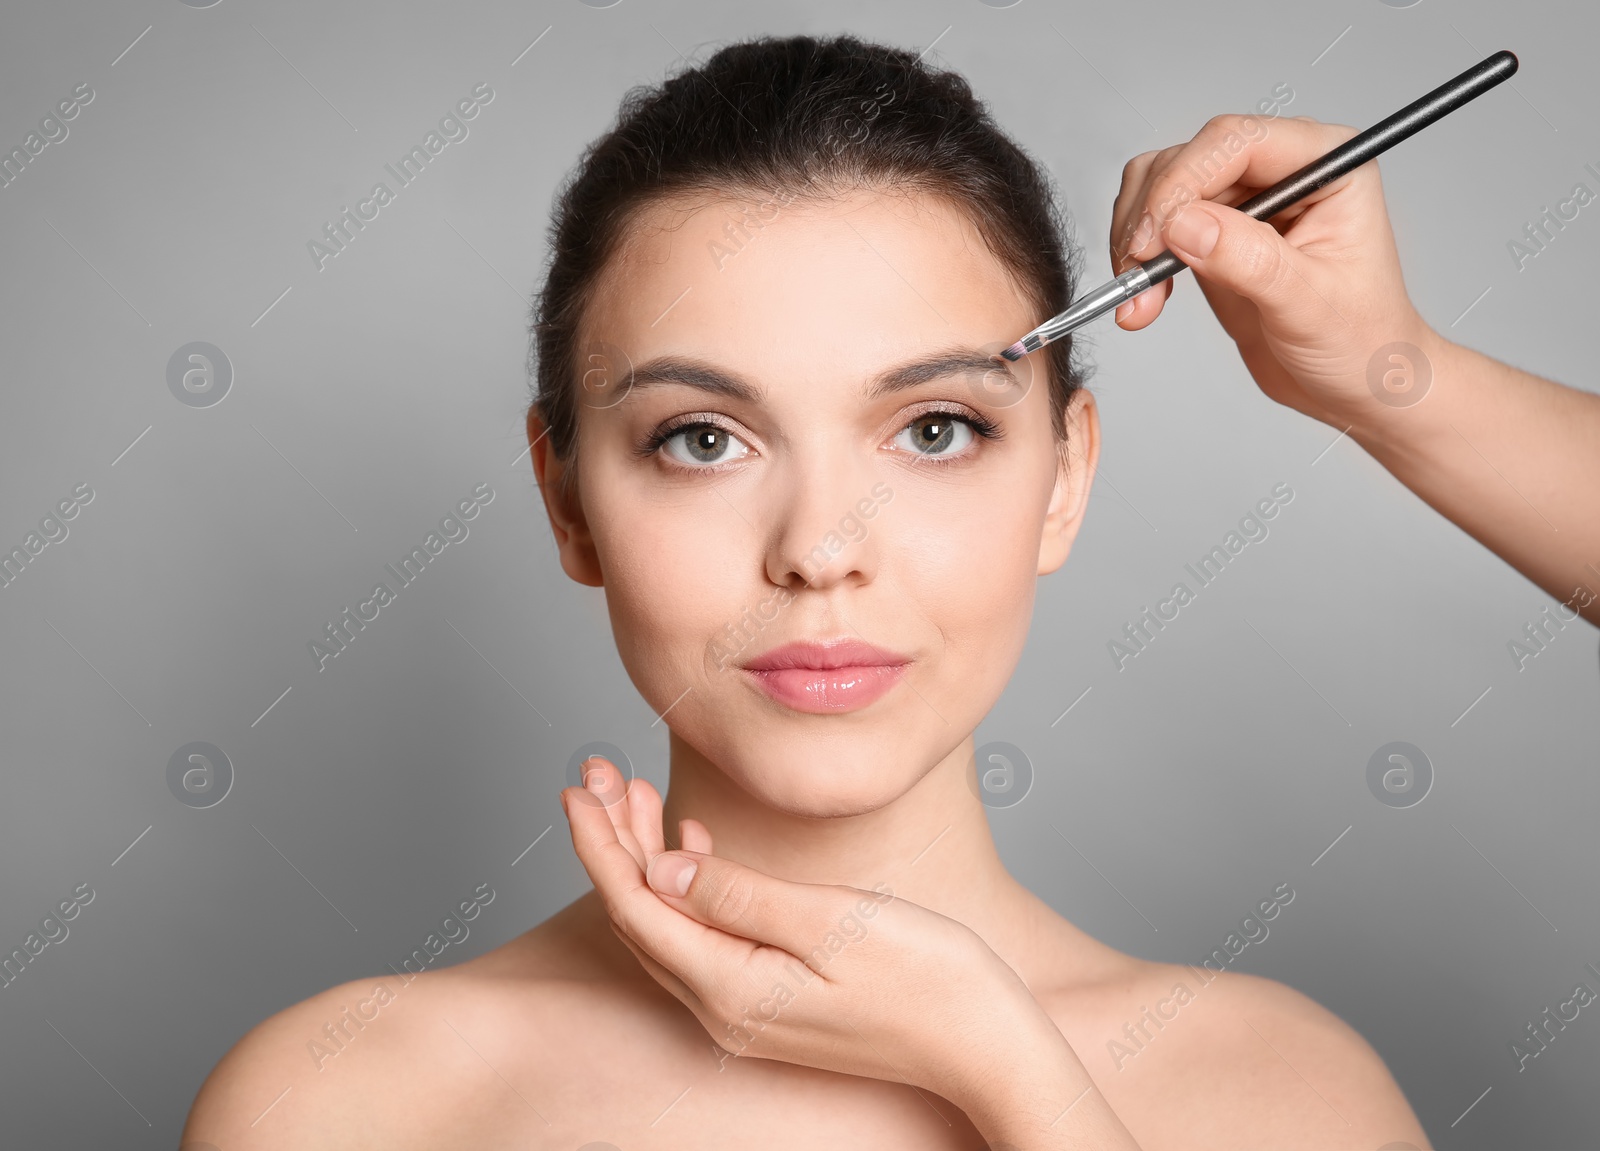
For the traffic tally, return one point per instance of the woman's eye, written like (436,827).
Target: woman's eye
(700,445)
(933,433)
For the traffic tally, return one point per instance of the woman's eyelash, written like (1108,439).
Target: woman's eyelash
(660,436)
(655,441)
(984,426)
(981,426)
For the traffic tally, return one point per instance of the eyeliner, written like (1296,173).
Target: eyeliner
(1376,140)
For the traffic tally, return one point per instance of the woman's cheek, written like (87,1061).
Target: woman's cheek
(976,575)
(665,595)
(971,556)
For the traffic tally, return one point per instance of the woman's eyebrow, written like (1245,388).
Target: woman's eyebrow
(969,362)
(695,373)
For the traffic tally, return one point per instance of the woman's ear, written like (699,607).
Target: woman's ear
(574,543)
(1075,472)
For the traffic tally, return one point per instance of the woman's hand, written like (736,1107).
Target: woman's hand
(822,975)
(1313,298)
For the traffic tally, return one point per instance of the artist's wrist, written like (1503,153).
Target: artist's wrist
(1410,429)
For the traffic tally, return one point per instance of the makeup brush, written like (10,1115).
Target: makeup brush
(1376,140)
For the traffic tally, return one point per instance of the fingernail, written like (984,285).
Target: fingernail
(670,874)
(1124,311)
(593,774)
(1195,232)
(1142,234)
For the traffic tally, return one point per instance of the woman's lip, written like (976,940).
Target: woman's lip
(826,655)
(823,691)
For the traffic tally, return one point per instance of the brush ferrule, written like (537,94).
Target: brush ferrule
(1090,306)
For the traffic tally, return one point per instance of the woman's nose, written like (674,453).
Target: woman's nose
(820,536)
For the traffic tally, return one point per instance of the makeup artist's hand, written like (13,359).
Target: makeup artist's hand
(1310,297)
(827,976)
(1315,302)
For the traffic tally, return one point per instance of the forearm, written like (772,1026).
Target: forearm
(1511,458)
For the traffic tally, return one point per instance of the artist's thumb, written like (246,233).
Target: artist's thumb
(1244,255)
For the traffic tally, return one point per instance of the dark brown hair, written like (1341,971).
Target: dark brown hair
(820,115)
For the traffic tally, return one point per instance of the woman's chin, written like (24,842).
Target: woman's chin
(837,791)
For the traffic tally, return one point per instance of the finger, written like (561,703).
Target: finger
(716,1026)
(1141,228)
(1250,258)
(1144,242)
(595,833)
(1237,314)
(1129,203)
(1142,231)
(660,974)
(602,778)
(691,949)
(694,836)
(644,818)
(1140,311)
(739,900)
(619,880)
(1235,153)
(1226,165)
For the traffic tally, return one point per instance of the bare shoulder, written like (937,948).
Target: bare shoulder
(277,1086)
(400,1061)
(1199,1058)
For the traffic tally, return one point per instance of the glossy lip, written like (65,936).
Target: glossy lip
(826,678)
(825,655)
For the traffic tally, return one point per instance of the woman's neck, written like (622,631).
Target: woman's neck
(932,846)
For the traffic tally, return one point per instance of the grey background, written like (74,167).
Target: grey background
(425,760)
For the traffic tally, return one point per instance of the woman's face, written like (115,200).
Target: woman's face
(786,467)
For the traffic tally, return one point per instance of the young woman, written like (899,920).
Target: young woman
(771,425)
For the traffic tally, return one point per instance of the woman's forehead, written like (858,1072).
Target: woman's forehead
(858,278)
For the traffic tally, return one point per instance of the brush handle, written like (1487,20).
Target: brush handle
(1356,151)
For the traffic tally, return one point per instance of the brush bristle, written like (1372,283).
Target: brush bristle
(1015,352)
